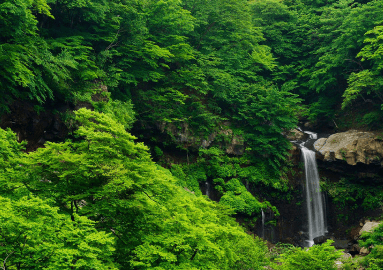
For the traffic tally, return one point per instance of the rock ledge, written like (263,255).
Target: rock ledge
(352,146)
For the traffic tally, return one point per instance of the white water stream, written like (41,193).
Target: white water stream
(207,185)
(314,202)
(263,224)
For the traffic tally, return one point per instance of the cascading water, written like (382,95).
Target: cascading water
(314,202)
(263,224)
(207,185)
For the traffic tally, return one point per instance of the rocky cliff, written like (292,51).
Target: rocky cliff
(351,154)
(351,166)
(34,126)
(352,146)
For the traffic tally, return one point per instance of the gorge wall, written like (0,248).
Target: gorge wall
(350,168)
(350,163)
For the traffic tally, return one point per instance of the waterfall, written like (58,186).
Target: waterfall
(314,201)
(263,224)
(312,135)
(207,189)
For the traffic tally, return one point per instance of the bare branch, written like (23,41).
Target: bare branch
(5,261)
(113,44)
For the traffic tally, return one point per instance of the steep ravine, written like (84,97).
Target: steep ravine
(353,155)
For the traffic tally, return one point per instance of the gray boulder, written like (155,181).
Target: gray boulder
(352,146)
(369,227)
(296,135)
(341,244)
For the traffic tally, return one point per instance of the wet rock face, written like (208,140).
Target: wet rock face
(232,143)
(320,239)
(33,127)
(341,244)
(287,228)
(352,147)
(236,144)
(296,135)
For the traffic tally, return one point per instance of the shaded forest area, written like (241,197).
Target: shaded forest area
(209,89)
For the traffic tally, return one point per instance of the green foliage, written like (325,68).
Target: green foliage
(317,257)
(267,111)
(238,198)
(189,176)
(34,236)
(194,238)
(347,194)
(34,233)
(280,248)
(10,149)
(195,65)
(373,119)
(330,50)
(342,54)
(367,83)
(10,153)
(183,63)
(29,69)
(322,108)
(121,112)
(352,263)
(158,151)
(284,31)
(229,175)
(110,179)
(373,241)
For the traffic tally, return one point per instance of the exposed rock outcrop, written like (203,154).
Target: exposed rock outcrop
(344,258)
(296,135)
(33,126)
(341,244)
(369,227)
(355,157)
(351,146)
(225,137)
(37,124)
(364,251)
(236,147)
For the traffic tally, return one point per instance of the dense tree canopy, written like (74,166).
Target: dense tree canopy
(223,69)
(103,180)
